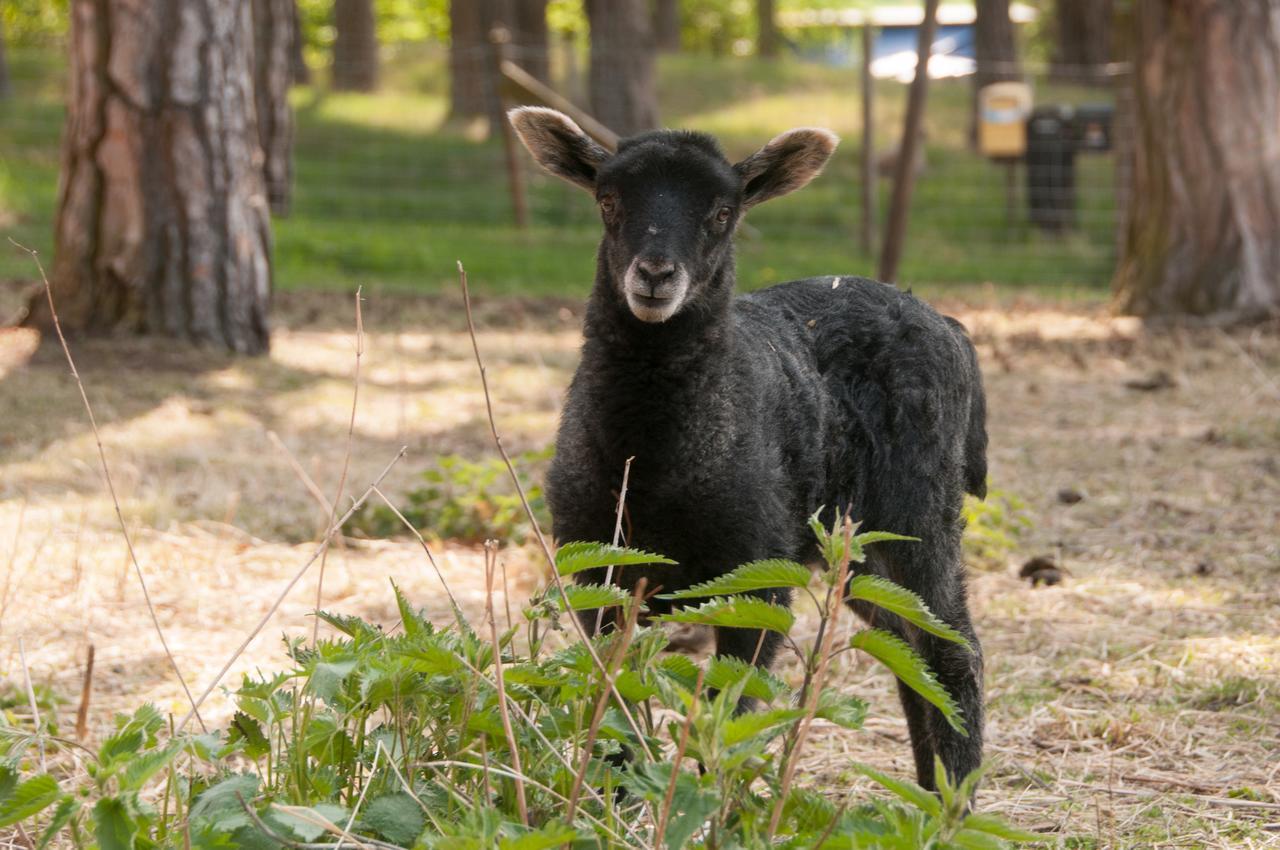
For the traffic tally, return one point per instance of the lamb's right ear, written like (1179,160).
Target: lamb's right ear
(558,144)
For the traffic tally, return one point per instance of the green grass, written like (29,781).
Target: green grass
(389,195)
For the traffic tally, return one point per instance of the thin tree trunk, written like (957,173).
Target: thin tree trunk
(275,35)
(355,46)
(1081,40)
(469,60)
(1202,222)
(529,31)
(767,39)
(162,222)
(666,25)
(904,176)
(5,86)
(995,51)
(301,73)
(624,93)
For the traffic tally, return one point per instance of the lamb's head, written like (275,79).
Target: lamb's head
(670,200)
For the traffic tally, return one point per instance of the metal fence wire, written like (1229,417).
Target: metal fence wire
(390,190)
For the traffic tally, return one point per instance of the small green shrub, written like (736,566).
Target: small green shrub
(475,736)
(466,500)
(993,527)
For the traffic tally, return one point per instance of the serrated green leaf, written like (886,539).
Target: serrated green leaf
(414,624)
(586,555)
(552,835)
(756,575)
(147,765)
(247,729)
(911,670)
(220,804)
(113,827)
(738,612)
(397,817)
(968,839)
(904,789)
(721,673)
(866,538)
(67,809)
(29,798)
(586,597)
(997,827)
(842,709)
(897,599)
(756,723)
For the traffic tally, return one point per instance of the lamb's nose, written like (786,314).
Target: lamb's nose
(655,271)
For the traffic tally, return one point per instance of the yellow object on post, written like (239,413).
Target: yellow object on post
(1002,119)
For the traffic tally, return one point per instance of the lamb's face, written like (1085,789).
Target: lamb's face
(669,200)
(669,204)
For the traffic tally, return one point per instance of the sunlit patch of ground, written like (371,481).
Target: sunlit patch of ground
(1135,704)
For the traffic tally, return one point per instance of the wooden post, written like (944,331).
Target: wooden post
(904,171)
(501,40)
(868,142)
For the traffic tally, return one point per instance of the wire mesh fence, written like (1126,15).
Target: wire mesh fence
(390,190)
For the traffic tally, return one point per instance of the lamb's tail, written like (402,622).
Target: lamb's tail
(975,441)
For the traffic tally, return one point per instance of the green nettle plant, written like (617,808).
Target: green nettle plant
(515,736)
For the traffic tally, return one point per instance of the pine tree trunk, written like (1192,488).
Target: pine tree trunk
(995,51)
(301,73)
(666,25)
(1202,221)
(624,93)
(1082,40)
(5,85)
(355,46)
(162,222)
(767,40)
(275,34)
(468,58)
(529,33)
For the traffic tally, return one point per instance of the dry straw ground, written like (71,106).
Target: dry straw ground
(1132,705)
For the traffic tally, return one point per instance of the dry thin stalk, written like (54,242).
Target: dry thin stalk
(835,604)
(266,618)
(106,474)
(615,661)
(346,462)
(307,481)
(35,709)
(86,690)
(533,521)
(617,532)
(425,548)
(13,559)
(670,796)
(490,557)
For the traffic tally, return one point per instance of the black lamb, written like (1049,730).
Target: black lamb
(746,414)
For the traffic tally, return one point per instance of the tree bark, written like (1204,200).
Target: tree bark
(162,222)
(301,73)
(5,85)
(767,38)
(468,59)
(995,51)
(1081,40)
(529,35)
(1202,221)
(624,93)
(666,25)
(275,34)
(355,46)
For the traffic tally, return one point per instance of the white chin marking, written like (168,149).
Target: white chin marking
(651,311)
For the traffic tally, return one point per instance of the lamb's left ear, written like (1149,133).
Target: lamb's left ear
(785,164)
(559,145)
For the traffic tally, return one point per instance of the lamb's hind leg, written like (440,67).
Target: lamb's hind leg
(933,569)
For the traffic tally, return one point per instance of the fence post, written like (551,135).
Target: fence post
(501,41)
(868,143)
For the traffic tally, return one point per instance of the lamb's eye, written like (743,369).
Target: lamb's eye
(722,214)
